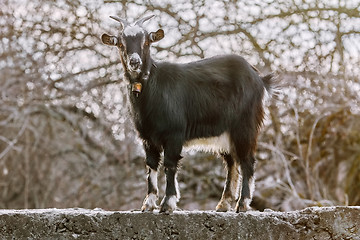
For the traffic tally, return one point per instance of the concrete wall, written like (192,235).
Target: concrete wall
(311,223)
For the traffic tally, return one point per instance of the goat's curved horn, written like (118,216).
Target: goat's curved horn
(144,19)
(123,22)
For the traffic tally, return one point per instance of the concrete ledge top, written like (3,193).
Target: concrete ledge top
(77,223)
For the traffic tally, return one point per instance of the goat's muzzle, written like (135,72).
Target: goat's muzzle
(134,62)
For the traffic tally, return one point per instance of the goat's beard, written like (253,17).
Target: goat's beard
(134,73)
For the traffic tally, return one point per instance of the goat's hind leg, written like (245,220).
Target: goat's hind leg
(152,161)
(244,148)
(231,188)
(248,183)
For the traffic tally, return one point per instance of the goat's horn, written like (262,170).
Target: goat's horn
(123,22)
(144,19)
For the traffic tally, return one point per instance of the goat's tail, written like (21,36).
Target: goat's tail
(271,83)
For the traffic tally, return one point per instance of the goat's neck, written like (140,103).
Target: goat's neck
(138,81)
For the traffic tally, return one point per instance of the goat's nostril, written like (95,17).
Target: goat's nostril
(134,61)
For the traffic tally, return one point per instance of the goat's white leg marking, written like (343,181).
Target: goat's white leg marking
(149,203)
(153,179)
(252,189)
(231,189)
(245,205)
(177,188)
(169,203)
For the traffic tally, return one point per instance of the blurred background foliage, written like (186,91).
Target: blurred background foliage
(65,136)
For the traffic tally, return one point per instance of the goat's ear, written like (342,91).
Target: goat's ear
(156,36)
(109,40)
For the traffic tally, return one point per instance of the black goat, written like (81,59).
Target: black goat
(215,103)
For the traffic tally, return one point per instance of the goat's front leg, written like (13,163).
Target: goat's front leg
(172,194)
(152,161)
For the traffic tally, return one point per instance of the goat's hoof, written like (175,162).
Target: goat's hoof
(242,208)
(149,204)
(166,210)
(223,206)
(168,204)
(243,205)
(146,208)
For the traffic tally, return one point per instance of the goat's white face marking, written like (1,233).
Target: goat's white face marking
(133,30)
(134,58)
(134,64)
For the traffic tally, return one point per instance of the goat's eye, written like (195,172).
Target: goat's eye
(120,45)
(146,43)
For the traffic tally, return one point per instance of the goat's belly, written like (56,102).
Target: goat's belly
(213,144)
